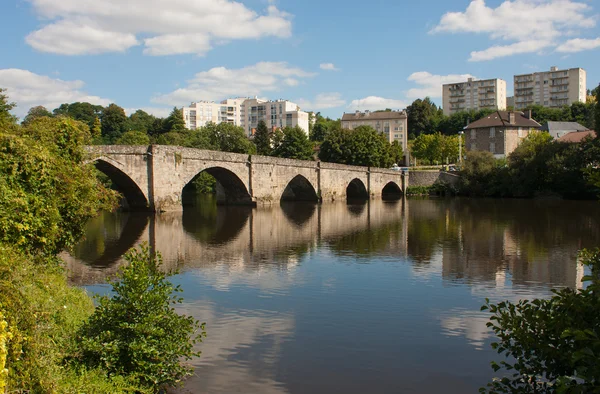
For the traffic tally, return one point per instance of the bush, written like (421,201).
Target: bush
(551,345)
(136,332)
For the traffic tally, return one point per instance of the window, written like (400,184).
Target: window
(492,147)
(492,132)
(396,136)
(520,132)
(473,134)
(396,128)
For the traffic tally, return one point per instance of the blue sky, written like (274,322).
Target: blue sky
(330,56)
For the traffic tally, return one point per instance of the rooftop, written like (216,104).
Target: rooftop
(502,119)
(577,136)
(378,115)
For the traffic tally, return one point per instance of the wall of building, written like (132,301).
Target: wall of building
(474,94)
(394,128)
(504,140)
(554,88)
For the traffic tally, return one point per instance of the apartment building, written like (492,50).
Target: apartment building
(553,89)
(474,94)
(198,114)
(500,133)
(394,124)
(276,114)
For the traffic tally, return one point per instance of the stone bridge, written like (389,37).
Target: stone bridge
(154,177)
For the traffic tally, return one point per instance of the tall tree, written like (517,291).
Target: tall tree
(363,146)
(295,145)
(597,114)
(228,138)
(141,121)
(423,117)
(36,112)
(262,139)
(5,108)
(84,112)
(175,121)
(114,123)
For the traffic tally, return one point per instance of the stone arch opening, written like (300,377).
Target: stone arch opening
(299,189)
(391,192)
(135,198)
(356,191)
(230,190)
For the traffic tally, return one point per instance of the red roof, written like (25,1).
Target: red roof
(577,136)
(502,119)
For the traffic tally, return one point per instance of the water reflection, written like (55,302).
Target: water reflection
(376,297)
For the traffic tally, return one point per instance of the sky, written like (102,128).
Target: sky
(328,56)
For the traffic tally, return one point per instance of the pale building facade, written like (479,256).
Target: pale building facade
(276,115)
(394,124)
(475,95)
(553,89)
(198,114)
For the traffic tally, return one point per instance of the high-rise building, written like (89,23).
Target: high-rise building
(198,114)
(553,89)
(474,94)
(276,114)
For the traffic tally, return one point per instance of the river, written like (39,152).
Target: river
(382,297)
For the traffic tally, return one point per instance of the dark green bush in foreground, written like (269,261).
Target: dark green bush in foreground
(553,345)
(137,333)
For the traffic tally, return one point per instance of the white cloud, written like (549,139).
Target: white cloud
(578,45)
(28,90)
(526,23)
(374,103)
(322,101)
(220,82)
(508,50)
(165,27)
(431,85)
(328,67)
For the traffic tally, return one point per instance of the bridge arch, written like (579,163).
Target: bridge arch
(231,190)
(300,189)
(391,192)
(357,191)
(135,197)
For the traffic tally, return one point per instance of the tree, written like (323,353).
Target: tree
(227,137)
(175,121)
(262,139)
(84,112)
(597,113)
(141,121)
(550,345)
(114,123)
(96,131)
(423,116)
(157,127)
(137,332)
(363,146)
(397,153)
(133,138)
(435,148)
(295,145)
(36,112)
(5,107)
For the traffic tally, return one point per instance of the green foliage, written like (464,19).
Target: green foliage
(142,121)
(295,145)
(175,122)
(596,124)
(114,123)
(226,137)
(322,127)
(34,113)
(551,345)
(137,332)
(205,183)
(84,112)
(435,148)
(363,146)
(397,153)
(423,116)
(262,139)
(133,138)
(6,117)
(46,193)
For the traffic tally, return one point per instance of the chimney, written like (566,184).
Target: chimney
(357,113)
(528,114)
(367,112)
(511,117)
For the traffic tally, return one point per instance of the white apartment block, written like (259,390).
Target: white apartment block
(554,88)
(200,113)
(394,124)
(475,95)
(276,114)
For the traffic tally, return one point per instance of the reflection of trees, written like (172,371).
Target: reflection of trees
(369,242)
(109,236)
(213,226)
